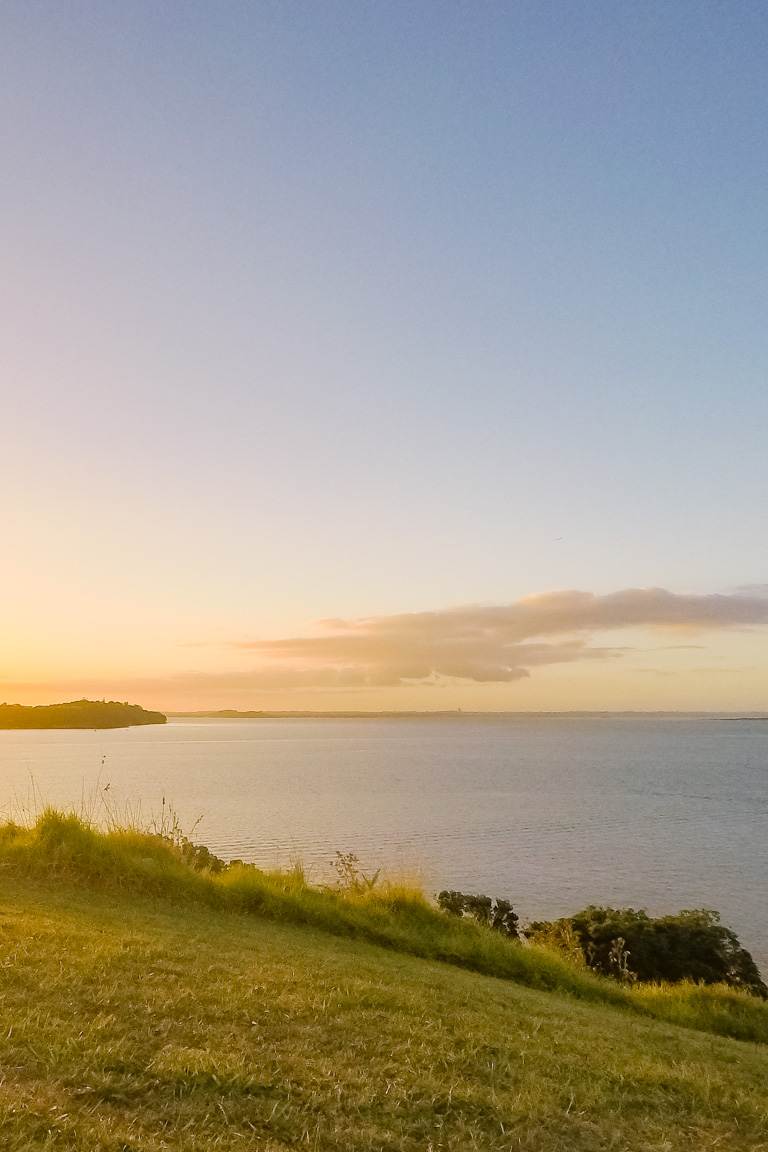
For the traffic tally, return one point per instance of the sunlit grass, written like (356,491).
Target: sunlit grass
(391,914)
(134,1022)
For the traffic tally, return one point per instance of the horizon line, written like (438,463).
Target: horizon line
(255,713)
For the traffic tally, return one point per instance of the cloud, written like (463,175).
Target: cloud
(497,643)
(477,643)
(678,648)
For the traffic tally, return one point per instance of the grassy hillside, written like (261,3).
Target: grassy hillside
(144,1006)
(77,714)
(135,1024)
(395,916)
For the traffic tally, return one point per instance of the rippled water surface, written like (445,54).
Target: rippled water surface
(554,812)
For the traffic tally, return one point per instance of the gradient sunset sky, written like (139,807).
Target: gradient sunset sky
(385,355)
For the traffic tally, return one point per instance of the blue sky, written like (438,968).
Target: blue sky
(349,309)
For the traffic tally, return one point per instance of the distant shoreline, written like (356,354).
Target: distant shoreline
(235,714)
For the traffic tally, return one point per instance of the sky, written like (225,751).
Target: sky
(344,347)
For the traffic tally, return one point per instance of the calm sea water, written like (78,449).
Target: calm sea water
(554,812)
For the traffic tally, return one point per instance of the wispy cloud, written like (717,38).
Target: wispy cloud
(478,643)
(499,643)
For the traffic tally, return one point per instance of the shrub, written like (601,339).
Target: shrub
(496,914)
(200,858)
(631,945)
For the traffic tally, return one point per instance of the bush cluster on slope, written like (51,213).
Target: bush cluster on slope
(630,944)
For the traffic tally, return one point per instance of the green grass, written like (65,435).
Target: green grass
(134,1023)
(394,916)
(146,1006)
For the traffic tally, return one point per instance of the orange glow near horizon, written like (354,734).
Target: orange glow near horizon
(636,650)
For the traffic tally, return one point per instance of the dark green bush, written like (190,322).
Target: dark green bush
(631,945)
(201,858)
(496,914)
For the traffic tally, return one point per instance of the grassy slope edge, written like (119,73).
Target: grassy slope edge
(392,916)
(132,1023)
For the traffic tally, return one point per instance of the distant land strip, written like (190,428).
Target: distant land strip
(77,714)
(351,714)
(235,714)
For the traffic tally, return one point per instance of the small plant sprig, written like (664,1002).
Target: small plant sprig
(618,960)
(168,827)
(350,876)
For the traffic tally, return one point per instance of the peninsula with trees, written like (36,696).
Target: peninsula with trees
(77,714)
